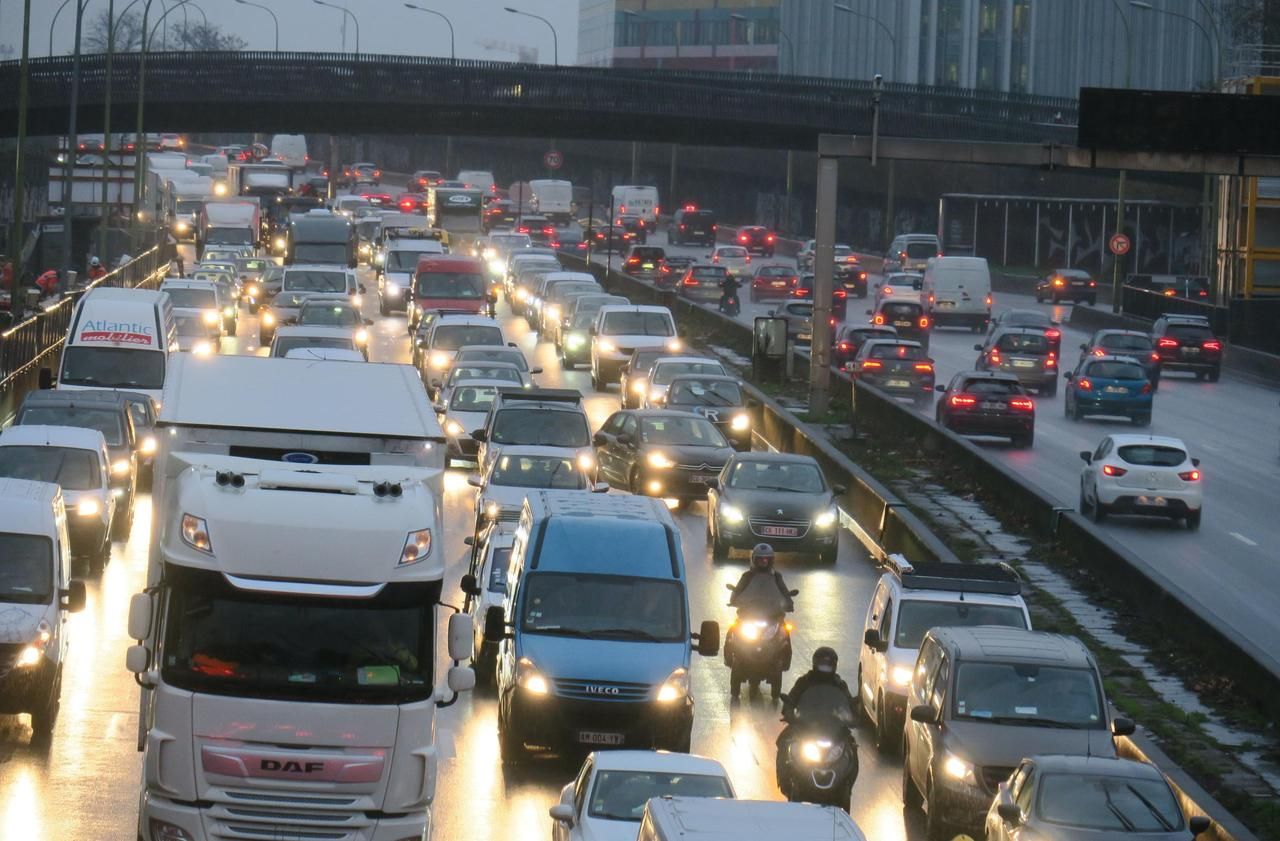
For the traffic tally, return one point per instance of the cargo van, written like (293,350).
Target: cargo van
(640,201)
(957,291)
(119,339)
(291,149)
(37,595)
(449,282)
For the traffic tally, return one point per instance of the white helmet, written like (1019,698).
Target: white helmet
(95,262)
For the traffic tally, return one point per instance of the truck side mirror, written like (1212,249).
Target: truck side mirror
(708,638)
(140,616)
(469,585)
(74,597)
(1199,824)
(461,679)
(136,658)
(495,625)
(462,640)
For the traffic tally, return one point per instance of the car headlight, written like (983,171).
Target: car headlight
(673,344)
(826,519)
(148,445)
(202,348)
(183,227)
(522,295)
(120,467)
(195,533)
(210,317)
(440,360)
(489,254)
(228,311)
(279,243)
(675,687)
(379,259)
(660,461)
(586,461)
(253,289)
(607,346)
(393,288)
(452,427)
(553,313)
(639,386)
(496,266)
(574,340)
(268,319)
(740,423)
(357,300)
(959,769)
(362,336)
(731,513)
(900,676)
(88,508)
(529,678)
(417,546)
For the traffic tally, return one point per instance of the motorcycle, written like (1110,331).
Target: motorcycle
(757,646)
(729,304)
(817,754)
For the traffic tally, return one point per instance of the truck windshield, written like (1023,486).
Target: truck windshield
(464,285)
(73,469)
(106,421)
(106,367)
(605,607)
(229,236)
(26,568)
(188,207)
(226,641)
(915,617)
(322,252)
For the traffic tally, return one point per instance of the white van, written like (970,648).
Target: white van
(716,819)
(642,201)
(619,330)
(197,310)
(119,339)
(957,290)
(291,149)
(479,179)
(36,596)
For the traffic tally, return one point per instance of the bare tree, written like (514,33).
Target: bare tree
(127,38)
(201,36)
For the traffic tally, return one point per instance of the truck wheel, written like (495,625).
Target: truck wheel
(44,717)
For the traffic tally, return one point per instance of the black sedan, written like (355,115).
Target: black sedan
(659,452)
(988,403)
(719,399)
(1067,285)
(1030,318)
(777,498)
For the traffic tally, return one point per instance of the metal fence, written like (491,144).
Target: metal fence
(1247,322)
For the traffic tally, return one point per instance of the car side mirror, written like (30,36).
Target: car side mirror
(871,639)
(1009,812)
(368,322)
(469,585)
(362,289)
(475,481)
(1086,456)
(600,488)
(1199,824)
(708,638)
(941,389)
(495,624)
(1084,346)
(563,812)
(512,344)
(46,379)
(438,405)
(623,438)
(1068,376)
(600,439)
(480,435)
(535,370)
(74,597)
(924,714)
(977,348)
(468,541)
(713,482)
(1121,726)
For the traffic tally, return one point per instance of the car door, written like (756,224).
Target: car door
(604,450)
(626,450)
(917,757)
(1092,468)
(931,735)
(867,656)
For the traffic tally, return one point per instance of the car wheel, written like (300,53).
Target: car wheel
(43,718)
(935,829)
(1093,301)
(1215,374)
(886,742)
(596,385)
(1099,510)
(1050,390)
(567,364)
(1193,519)
(829,556)
(98,560)
(1025,442)
(510,745)
(911,799)
(383,309)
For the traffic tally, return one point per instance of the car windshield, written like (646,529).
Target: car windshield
(638,324)
(900,311)
(1189,332)
(402,261)
(220,639)
(921,250)
(26,568)
(915,617)
(678,431)
(192,325)
(537,427)
(795,477)
(1110,804)
(561,291)
(1151,455)
(799,310)
(605,606)
(195,299)
(483,372)
(315,281)
(883,351)
(1028,343)
(1028,693)
(1115,371)
(664,372)
(648,253)
(330,315)
(454,336)
(284,344)
(496,354)
(704,393)
(73,469)
(463,285)
(525,471)
(106,421)
(473,398)
(368,229)
(322,252)
(106,367)
(622,795)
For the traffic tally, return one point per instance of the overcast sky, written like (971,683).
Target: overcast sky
(386,26)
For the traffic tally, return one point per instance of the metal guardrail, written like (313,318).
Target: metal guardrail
(266,91)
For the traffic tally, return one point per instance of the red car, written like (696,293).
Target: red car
(773,281)
(757,239)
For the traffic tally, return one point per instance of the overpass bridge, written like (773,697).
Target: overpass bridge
(338,93)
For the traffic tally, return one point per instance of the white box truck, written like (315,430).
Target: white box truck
(553,199)
(230,222)
(183,200)
(641,201)
(287,635)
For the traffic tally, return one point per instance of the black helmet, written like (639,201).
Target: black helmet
(825,659)
(762,556)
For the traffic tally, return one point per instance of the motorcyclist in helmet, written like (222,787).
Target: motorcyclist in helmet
(823,673)
(728,290)
(761,566)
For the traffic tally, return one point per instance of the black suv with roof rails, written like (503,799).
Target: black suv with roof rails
(1187,343)
(692,225)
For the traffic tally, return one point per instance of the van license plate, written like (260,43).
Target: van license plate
(779,531)
(595,737)
(902,324)
(946,305)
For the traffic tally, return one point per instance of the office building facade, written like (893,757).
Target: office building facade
(680,34)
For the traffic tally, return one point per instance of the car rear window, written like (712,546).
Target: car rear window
(1029,319)
(897,352)
(905,310)
(648,253)
(775,271)
(1189,332)
(1116,371)
(991,387)
(733,251)
(1151,455)
(1030,343)
(921,249)
(709,271)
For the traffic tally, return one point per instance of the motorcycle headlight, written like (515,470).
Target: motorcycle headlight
(660,461)
(417,546)
(826,519)
(819,750)
(195,533)
(529,678)
(900,675)
(675,687)
(88,508)
(740,423)
(959,769)
(731,513)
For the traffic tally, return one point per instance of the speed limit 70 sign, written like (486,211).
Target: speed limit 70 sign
(553,159)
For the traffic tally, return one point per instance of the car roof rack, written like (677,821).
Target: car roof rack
(996,578)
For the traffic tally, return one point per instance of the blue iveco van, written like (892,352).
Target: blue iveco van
(594,635)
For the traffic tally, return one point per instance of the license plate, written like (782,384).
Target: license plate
(1157,501)
(646,265)
(779,531)
(595,737)
(898,383)
(698,479)
(1191,351)
(779,284)
(1116,389)
(1023,363)
(902,324)
(946,305)
(989,406)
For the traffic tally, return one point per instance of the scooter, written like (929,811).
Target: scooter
(757,647)
(821,761)
(729,303)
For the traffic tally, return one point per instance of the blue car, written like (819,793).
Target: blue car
(1109,385)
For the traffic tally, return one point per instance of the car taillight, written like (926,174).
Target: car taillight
(524,230)
(888,290)
(1092,284)
(1050,362)
(1155,357)
(1053,334)
(407,205)
(962,401)
(742,237)
(840,294)
(690,281)
(1169,293)
(1022,404)
(924,323)
(633,261)
(1100,352)
(715,259)
(748,258)
(1190,476)
(377,173)
(924,367)
(769,238)
(879,319)
(715,227)
(995,357)
(871,365)
(1084,384)
(582,245)
(548,231)
(1146,388)
(1109,470)
(843,346)
(1057,281)
(1213,345)
(1167,343)
(989,300)
(682,226)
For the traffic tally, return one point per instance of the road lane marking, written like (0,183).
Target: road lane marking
(1240,537)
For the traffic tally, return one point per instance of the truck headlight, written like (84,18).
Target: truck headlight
(120,467)
(417,546)
(675,687)
(148,445)
(900,676)
(195,533)
(731,513)
(278,243)
(740,423)
(660,461)
(959,769)
(529,678)
(165,831)
(826,519)
(88,508)
(210,317)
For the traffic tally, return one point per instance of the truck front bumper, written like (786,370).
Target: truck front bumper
(158,816)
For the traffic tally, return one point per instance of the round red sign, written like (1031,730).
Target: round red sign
(553,159)
(1119,244)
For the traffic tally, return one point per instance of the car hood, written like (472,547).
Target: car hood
(1060,832)
(713,456)
(778,505)
(620,661)
(469,421)
(600,829)
(1006,744)
(18,622)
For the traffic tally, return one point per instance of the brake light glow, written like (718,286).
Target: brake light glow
(888,290)
(1050,362)
(839,294)
(924,323)
(843,346)
(1146,388)
(1053,334)
(1155,357)
(549,230)
(407,204)
(924,367)
(1092,284)
(715,259)
(742,237)
(1057,281)
(769,238)
(962,401)
(1169,293)
(1213,345)
(988,300)
(1190,476)
(871,365)
(690,281)
(879,319)
(1100,352)
(633,261)
(1167,343)
(1109,470)
(995,357)
(1084,384)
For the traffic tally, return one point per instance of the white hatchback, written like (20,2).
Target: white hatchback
(1142,474)
(735,258)
(900,286)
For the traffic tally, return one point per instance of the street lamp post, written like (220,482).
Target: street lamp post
(347,13)
(1215,59)
(555,40)
(54,23)
(181,4)
(893,42)
(1116,297)
(782,35)
(106,130)
(19,191)
(69,167)
(453,55)
(274,20)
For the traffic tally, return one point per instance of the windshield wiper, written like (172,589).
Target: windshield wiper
(1029,721)
(634,633)
(1151,807)
(1118,812)
(774,488)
